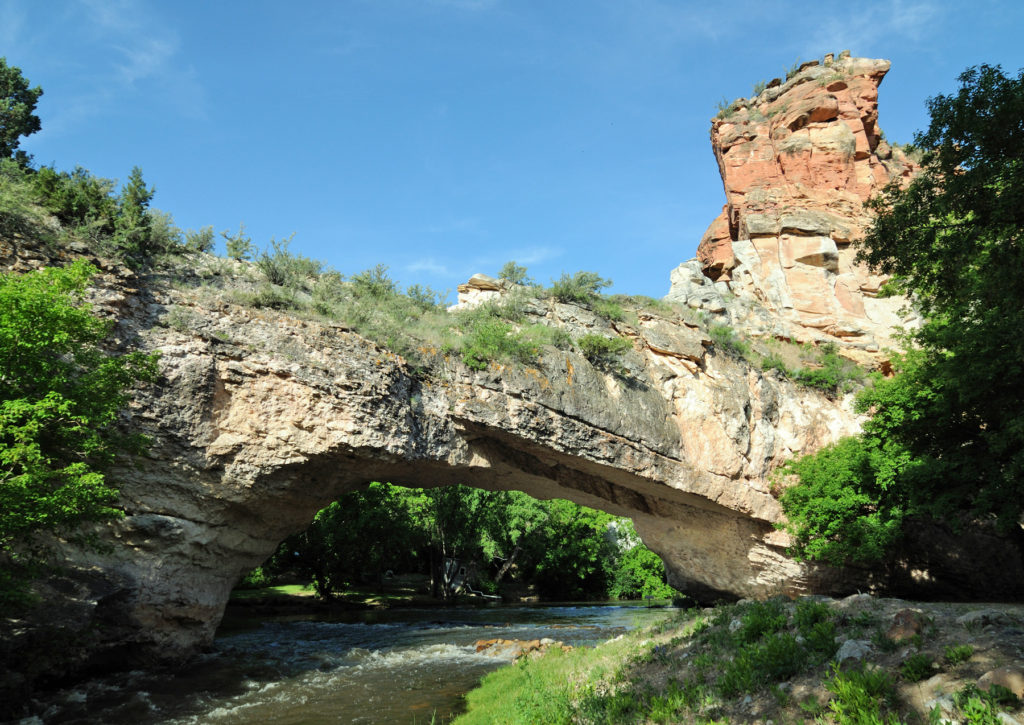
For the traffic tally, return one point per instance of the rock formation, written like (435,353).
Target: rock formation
(798,161)
(263,417)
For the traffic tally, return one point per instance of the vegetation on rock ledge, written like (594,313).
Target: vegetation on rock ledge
(945,437)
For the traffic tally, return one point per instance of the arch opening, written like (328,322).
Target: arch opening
(456,541)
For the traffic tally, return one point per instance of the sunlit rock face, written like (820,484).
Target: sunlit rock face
(798,161)
(262,418)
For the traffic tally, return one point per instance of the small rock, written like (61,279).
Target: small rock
(982,618)
(945,704)
(905,624)
(1012,678)
(854,599)
(853,649)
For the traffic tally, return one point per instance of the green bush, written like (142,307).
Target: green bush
(761,618)
(862,697)
(271,297)
(726,339)
(254,579)
(540,335)
(608,309)
(424,297)
(774,657)
(836,374)
(199,241)
(286,269)
(601,349)
(833,513)
(955,654)
(727,108)
(238,245)
(514,273)
(581,287)
(374,283)
(495,340)
(916,667)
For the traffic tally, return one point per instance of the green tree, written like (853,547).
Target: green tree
(639,573)
(946,435)
(514,273)
(78,199)
(238,245)
(954,239)
(17,111)
(133,227)
(60,396)
(582,287)
(354,540)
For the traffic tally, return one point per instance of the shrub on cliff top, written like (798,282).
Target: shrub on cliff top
(581,287)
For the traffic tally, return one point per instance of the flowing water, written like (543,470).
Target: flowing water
(395,666)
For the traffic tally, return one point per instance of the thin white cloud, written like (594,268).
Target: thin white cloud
(883,23)
(535,255)
(146,59)
(430,266)
(12,21)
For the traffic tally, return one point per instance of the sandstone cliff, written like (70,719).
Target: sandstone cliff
(262,417)
(798,161)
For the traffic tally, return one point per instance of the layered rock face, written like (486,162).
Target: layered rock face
(798,161)
(263,418)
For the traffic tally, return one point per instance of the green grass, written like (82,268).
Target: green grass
(956,654)
(541,690)
(862,697)
(283,590)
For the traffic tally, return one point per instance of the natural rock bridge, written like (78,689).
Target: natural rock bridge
(262,419)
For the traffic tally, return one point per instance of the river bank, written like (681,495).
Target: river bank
(854,660)
(335,665)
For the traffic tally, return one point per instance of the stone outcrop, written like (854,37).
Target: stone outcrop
(480,288)
(263,417)
(798,161)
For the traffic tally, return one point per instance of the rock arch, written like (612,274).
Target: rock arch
(263,418)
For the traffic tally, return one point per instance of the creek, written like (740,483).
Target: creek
(390,666)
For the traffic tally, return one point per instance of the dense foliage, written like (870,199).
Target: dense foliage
(499,538)
(60,396)
(17,111)
(946,435)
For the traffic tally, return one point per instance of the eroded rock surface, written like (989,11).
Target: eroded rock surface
(798,161)
(262,418)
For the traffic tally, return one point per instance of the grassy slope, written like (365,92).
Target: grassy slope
(755,662)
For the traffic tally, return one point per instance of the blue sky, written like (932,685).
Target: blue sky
(445,137)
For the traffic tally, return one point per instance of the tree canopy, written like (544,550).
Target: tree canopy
(60,397)
(562,550)
(945,437)
(17,110)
